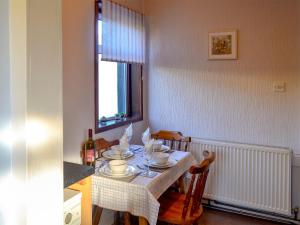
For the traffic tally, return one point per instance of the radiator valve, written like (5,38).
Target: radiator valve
(295,211)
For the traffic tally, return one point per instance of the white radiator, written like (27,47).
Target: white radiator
(250,176)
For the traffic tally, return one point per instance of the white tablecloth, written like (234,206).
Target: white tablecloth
(139,196)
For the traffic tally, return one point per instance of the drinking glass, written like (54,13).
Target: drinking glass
(148,154)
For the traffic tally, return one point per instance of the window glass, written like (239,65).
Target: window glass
(99,32)
(112,88)
(118,90)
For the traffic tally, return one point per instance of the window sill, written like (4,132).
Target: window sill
(112,124)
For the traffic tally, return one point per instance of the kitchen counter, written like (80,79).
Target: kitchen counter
(75,172)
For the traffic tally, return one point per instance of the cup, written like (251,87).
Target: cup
(116,150)
(161,158)
(118,166)
(157,145)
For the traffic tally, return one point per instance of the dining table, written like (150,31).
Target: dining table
(138,194)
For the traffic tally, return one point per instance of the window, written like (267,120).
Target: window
(112,89)
(118,88)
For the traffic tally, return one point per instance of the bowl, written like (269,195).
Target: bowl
(160,157)
(118,166)
(157,145)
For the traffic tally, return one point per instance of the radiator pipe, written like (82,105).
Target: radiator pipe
(248,214)
(248,209)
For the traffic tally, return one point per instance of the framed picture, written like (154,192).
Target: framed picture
(222,45)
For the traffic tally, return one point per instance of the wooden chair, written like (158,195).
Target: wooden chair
(186,209)
(101,145)
(174,139)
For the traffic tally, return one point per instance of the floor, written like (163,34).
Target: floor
(214,217)
(210,217)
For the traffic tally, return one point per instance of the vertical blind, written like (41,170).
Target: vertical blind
(123,34)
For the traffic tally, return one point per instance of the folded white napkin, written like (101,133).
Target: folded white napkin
(125,139)
(129,132)
(146,136)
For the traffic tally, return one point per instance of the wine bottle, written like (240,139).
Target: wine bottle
(89,149)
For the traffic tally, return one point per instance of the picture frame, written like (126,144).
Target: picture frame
(222,45)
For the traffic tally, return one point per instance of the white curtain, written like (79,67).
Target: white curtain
(123,34)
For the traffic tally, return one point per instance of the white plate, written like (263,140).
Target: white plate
(109,154)
(106,171)
(169,164)
(164,148)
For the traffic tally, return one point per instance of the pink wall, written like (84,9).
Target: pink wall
(225,100)
(78,77)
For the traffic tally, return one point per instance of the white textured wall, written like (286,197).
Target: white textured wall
(225,100)
(44,109)
(31,72)
(78,72)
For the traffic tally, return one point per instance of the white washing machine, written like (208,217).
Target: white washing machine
(72,207)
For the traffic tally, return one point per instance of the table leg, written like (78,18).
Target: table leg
(97,212)
(142,221)
(85,187)
(117,218)
(126,218)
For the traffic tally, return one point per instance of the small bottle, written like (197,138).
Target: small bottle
(89,150)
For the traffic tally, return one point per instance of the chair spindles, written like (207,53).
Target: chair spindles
(174,139)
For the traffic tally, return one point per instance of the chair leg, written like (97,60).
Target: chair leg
(127,218)
(116,218)
(181,184)
(196,222)
(142,221)
(97,212)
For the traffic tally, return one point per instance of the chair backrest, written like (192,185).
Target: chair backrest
(174,139)
(197,185)
(102,145)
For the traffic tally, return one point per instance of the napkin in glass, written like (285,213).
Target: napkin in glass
(129,132)
(148,146)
